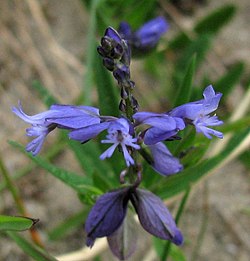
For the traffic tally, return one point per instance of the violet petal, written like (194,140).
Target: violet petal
(163,161)
(123,241)
(155,217)
(106,215)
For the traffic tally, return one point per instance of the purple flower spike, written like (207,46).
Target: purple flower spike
(119,134)
(163,161)
(155,217)
(107,215)
(198,112)
(61,116)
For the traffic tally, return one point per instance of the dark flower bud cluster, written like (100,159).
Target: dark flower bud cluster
(134,134)
(116,55)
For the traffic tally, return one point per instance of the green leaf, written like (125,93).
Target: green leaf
(16,223)
(91,53)
(88,157)
(81,184)
(213,22)
(226,83)
(198,47)
(179,182)
(101,181)
(30,249)
(107,92)
(179,42)
(185,90)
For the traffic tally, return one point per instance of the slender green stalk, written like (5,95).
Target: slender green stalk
(177,219)
(12,188)
(18,200)
(204,223)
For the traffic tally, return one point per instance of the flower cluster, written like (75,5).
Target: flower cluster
(85,123)
(133,133)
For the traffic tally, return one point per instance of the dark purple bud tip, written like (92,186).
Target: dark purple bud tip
(178,238)
(101,51)
(106,43)
(90,242)
(113,34)
(109,63)
(117,52)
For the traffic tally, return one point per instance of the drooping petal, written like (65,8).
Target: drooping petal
(123,241)
(36,144)
(86,133)
(201,125)
(37,119)
(109,152)
(107,215)
(155,217)
(163,161)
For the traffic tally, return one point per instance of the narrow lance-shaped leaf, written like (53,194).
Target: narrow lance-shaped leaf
(226,83)
(213,22)
(107,91)
(33,251)
(16,223)
(180,182)
(79,183)
(185,90)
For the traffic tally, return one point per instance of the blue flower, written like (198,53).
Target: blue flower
(108,214)
(60,116)
(198,113)
(146,37)
(162,125)
(119,134)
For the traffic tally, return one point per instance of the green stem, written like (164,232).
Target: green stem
(11,186)
(177,219)
(204,223)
